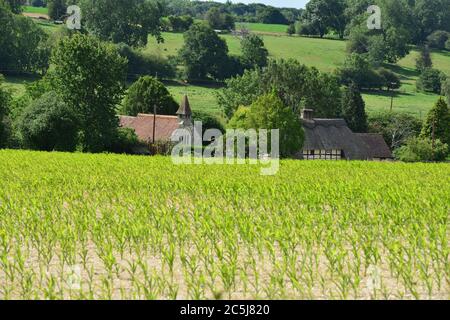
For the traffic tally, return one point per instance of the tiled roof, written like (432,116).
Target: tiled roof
(143,126)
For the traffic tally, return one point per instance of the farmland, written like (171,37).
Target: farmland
(137,227)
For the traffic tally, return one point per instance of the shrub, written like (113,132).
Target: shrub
(208,121)
(144,94)
(424,60)
(438,39)
(430,80)
(127,142)
(421,150)
(447,45)
(49,124)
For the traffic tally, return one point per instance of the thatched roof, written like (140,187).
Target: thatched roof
(328,134)
(377,145)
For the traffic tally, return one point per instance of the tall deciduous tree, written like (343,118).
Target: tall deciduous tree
(57,9)
(204,53)
(127,21)
(269,112)
(23,44)
(90,75)
(15,5)
(324,15)
(438,122)
(254,54)
(145,94)
(296,84)
(353,109)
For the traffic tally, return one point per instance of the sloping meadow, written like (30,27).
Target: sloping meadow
(80,226)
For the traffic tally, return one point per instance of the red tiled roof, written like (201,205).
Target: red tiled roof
(143,126)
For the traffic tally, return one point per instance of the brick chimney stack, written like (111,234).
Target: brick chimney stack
(308,114)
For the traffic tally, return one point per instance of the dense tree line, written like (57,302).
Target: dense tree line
(412,20)
(253,12)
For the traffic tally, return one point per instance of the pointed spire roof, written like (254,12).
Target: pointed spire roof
(185,108)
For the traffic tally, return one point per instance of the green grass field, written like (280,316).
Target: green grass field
(84,226)
(263,28)
(30,9)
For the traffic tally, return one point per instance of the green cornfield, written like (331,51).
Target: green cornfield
(79,226)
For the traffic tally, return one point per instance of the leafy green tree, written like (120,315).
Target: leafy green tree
(90,75)
(23,44)
(240,90)
(327,15)
(180,23)
(445,90)
(271,15)
(424,60)
(357,70)
(208,122)
(254,54)
(219,19)
(291,29)
(269,112)
(296,84)
(57,9)
(204,53)
(430,80)
(390,80)
(396,128)
(354,109)
(438,39)
(422,150)
(15,5)
(49,124)
(438,121)
(430,15)
(127,21)
(145,94)
(5,99)
(240,119)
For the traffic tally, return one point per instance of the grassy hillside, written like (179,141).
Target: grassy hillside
(263,28)
(31,9)
(327,55)
(324,54)
(143,228)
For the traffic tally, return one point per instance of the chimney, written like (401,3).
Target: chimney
(308,114)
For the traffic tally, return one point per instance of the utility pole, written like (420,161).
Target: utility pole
(433,139)
(392,95)
(154,122)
